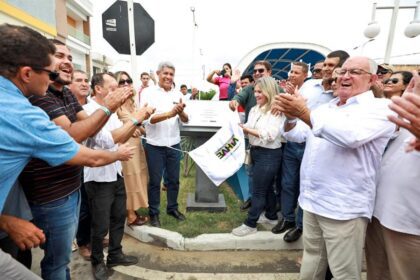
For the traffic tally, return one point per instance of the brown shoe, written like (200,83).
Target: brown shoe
(85,252)
(139,221)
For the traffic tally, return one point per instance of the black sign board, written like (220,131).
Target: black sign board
(115,28)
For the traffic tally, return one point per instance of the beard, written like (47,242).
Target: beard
(61,81)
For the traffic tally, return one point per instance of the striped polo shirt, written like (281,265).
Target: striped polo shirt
(41,182)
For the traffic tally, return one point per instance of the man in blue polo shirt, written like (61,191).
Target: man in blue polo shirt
(27,132)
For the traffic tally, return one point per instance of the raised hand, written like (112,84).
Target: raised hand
(125,152)
(233,105)
(236,75)
(408,109)
(290,88)
(144,113)
(178,108)
(293,106)
(116,98)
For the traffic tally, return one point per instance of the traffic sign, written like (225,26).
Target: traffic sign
(115,28)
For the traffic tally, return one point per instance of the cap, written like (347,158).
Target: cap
(385,66)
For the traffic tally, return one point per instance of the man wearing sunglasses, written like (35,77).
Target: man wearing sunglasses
(384,72)
(27,132)
(53,192)
(345,139)
(317,71)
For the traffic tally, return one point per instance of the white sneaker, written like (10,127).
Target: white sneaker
(264,220)
(243,230)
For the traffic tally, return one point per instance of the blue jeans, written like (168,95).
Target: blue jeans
(158,160)
(58,219)
(266,163)
(290,181)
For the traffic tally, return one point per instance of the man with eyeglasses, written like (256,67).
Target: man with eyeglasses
(27,132)
(345,139)
(384,72)
(317,70)
(316,92)
(53,192)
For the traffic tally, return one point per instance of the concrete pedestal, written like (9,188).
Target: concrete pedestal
(206,196)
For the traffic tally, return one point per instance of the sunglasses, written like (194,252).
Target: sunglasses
(383,71)
(393,80)
(259,70)
(53,75)
(123,82)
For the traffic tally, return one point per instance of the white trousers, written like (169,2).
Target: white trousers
(11,269)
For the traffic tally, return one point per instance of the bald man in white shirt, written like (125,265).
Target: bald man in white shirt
(345,139)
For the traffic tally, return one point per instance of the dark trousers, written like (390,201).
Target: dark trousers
(290,181)
(83,231)
(158,160)
(265,165)
(107,203)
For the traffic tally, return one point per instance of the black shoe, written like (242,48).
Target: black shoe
(99,271)
(246,205)
(121,260)
(154,221)
(282,226)
(292,235)
(177,215)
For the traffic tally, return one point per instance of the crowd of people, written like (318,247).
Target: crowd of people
(324,151)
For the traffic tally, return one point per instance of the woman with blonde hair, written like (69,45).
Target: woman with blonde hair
(263,129)
(135,171)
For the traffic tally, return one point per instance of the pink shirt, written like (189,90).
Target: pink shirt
(223,84)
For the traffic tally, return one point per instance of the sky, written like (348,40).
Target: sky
(228,30)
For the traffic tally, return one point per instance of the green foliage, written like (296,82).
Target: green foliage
(206,95)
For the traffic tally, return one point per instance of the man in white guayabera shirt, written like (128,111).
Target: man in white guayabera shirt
(345,140)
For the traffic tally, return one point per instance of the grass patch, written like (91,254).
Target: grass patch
(200,222)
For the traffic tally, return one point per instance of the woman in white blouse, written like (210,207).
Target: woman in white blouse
(263,129)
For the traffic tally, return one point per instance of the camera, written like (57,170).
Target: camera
(223,72)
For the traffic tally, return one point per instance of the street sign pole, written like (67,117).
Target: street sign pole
(134,76)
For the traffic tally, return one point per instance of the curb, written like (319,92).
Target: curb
(261,240)
(135,271)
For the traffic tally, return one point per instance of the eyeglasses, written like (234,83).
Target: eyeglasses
(393,80)
(123,82)
(260,70)
(53,75)
(352,72)
(383,71)
(316,71)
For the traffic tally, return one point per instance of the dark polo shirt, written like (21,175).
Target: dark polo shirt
(41,182)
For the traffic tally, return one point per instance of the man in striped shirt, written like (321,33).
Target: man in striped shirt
(53,192)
